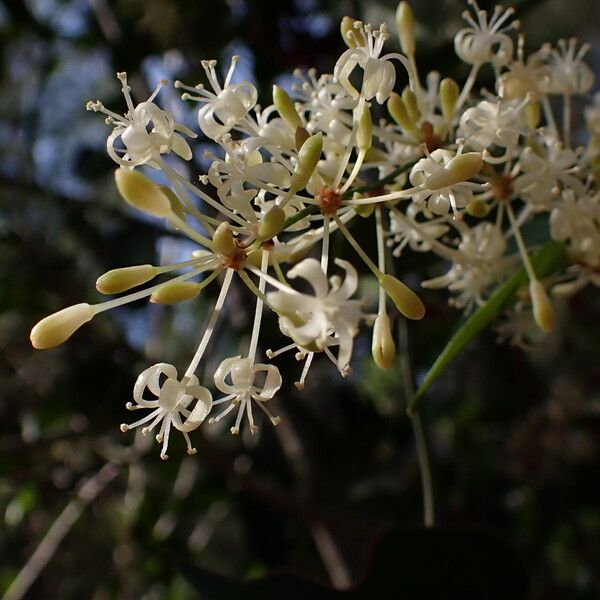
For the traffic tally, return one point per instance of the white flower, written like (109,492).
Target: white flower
(146,131)
(418,236)
(545,172)
(243,165)
(568,74)
(379,74)
(490,124)
(482,264)
(173,399)
(226,106)
(312,320)
(243,389)
(576,219)
(485,41)
(439,201)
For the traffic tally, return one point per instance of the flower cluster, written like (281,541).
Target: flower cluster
(442,170)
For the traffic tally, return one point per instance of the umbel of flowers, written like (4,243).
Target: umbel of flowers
(451,171)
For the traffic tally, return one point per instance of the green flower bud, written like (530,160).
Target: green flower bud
(286,109)
(543,312)
(223,241)
(406,301)
(141,192)
(449,94)
(121,280)
(174,292)
(364,133)
(60,326)
(405,23)
(347,26)
(398,112)
(308,157)
(410,102)
(460,168)
(383,347)
(271,223)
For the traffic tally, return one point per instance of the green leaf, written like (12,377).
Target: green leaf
(544,261)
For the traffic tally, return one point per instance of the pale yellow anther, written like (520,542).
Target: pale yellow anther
(398,112)
(174,292)
(308,157)
(121,280)
(141,192)
(286,109)
(405,23)
(271,223)
(406,301)
(364,133)
(410,102)
(349,35)
(223,241)
(60,326)
(543,312)
(449,94)
(460,168)
(383,347)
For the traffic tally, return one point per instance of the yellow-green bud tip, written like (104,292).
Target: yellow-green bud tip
(223,242)
(406,301)
(543,312)
(60,326)
(271,223)
(174,292)
(383,347)
(405,23)
(458,169)
(141,192)
(449,94)
(308,157)
(285,107)
(121,280)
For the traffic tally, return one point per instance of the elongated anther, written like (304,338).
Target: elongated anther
(121,280)
(383,347)
(141,192)
(406,301)
(458,169)
(175,292)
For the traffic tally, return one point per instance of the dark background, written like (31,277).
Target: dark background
(513,435)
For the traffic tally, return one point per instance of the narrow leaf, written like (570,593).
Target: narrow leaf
(544,262)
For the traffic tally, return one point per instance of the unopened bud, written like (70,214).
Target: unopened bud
(362,210)
(271,223)
(398,112)
(285,107)
(383,348)
(364,132)
(176,205)
(308,157)
(121,280)
(349,34)
(174,292)
(533,114)
(543,312)
(406,301)
(60,326)
(410,102)
(449,93)
(477,208)
(301,136)
(223,241)
(405,23)
(141,192)
(460,168)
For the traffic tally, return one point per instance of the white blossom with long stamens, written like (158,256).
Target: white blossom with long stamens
(171,406)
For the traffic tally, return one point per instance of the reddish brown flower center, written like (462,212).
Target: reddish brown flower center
(330,201)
